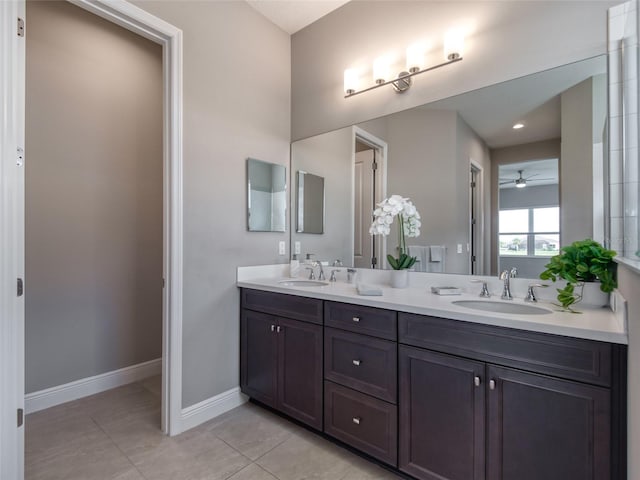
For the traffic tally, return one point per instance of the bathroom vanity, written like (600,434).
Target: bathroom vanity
(438,393)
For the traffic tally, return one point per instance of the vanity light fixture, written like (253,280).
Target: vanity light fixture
(415,62)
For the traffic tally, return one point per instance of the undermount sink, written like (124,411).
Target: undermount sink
(502,307)
(302,283)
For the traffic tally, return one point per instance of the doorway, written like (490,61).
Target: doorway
(369,187)
(12,217)
(93,205)
(476,219)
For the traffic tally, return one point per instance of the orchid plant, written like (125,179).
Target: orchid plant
(409,226)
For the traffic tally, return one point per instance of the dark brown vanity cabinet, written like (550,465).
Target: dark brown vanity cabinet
(281,358)
(439,399)
(361,382)
(442,416)
(465,418)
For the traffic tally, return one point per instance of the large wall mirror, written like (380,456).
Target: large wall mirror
(468,168)
(266,196)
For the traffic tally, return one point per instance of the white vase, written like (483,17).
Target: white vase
(400,278)
(593,296)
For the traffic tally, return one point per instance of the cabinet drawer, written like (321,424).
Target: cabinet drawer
(368,320)
(363,422)
(290,306)
(361,362)
(571,358)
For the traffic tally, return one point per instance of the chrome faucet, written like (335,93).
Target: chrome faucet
(318,264)
(312,275)
(531,293)
(507,275)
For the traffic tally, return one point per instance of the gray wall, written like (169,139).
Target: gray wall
(224,123)
(582,120)
(506,40)
(93,196)
(329,156)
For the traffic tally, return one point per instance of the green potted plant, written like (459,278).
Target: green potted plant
(580,262)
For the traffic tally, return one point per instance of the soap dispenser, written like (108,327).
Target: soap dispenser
(294,266)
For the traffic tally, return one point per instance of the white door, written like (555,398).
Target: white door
(12,54)
(363,209)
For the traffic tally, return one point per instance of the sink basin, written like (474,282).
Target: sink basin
(502,307)
(303,283)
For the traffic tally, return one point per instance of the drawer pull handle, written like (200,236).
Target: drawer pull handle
(356,319)
(476,381)
(356,420)
(278,328)
(273,328)
(356,362)
(492,384)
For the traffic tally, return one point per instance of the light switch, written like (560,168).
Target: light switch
(459,248)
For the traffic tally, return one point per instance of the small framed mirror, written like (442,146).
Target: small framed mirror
(310,203)
(266,196)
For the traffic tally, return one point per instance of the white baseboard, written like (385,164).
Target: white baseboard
(90,386)
(212,407)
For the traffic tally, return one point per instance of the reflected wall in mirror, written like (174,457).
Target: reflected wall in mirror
(266,196)
(445,156)
(310,203)
(528,216)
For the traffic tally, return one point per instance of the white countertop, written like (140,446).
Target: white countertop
(593,323)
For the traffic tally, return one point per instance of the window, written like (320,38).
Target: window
(530,232)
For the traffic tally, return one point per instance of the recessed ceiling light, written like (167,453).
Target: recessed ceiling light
(518,126)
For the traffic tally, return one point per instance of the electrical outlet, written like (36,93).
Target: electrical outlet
(296,248)
(282,247)
(459,248)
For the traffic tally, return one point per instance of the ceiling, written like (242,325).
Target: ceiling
(294,15)
(533,100)
(536,172)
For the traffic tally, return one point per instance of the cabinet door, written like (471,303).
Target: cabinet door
(546,428)
(442,412)
(258,358)
(300,371)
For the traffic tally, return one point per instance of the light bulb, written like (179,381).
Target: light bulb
(415,58)
(380,70)
(350,81)
(453,45)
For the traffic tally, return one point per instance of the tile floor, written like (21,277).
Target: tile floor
(115,435)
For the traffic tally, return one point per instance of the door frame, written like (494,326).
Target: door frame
(12,76)
(382,148)
(12,98)
(169,37)
(480,225)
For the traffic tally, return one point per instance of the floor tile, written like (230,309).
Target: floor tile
(253,472)
(153,384)
(116,435)
(198,458)
(254,432)
(300,458)
(84,459)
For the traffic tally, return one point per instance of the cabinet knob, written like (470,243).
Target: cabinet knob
(356,362)
(476,381)
(278,328)
(356,319)
(492,384)
(356,420)
(273,328)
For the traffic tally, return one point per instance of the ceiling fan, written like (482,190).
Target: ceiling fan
(521,181)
